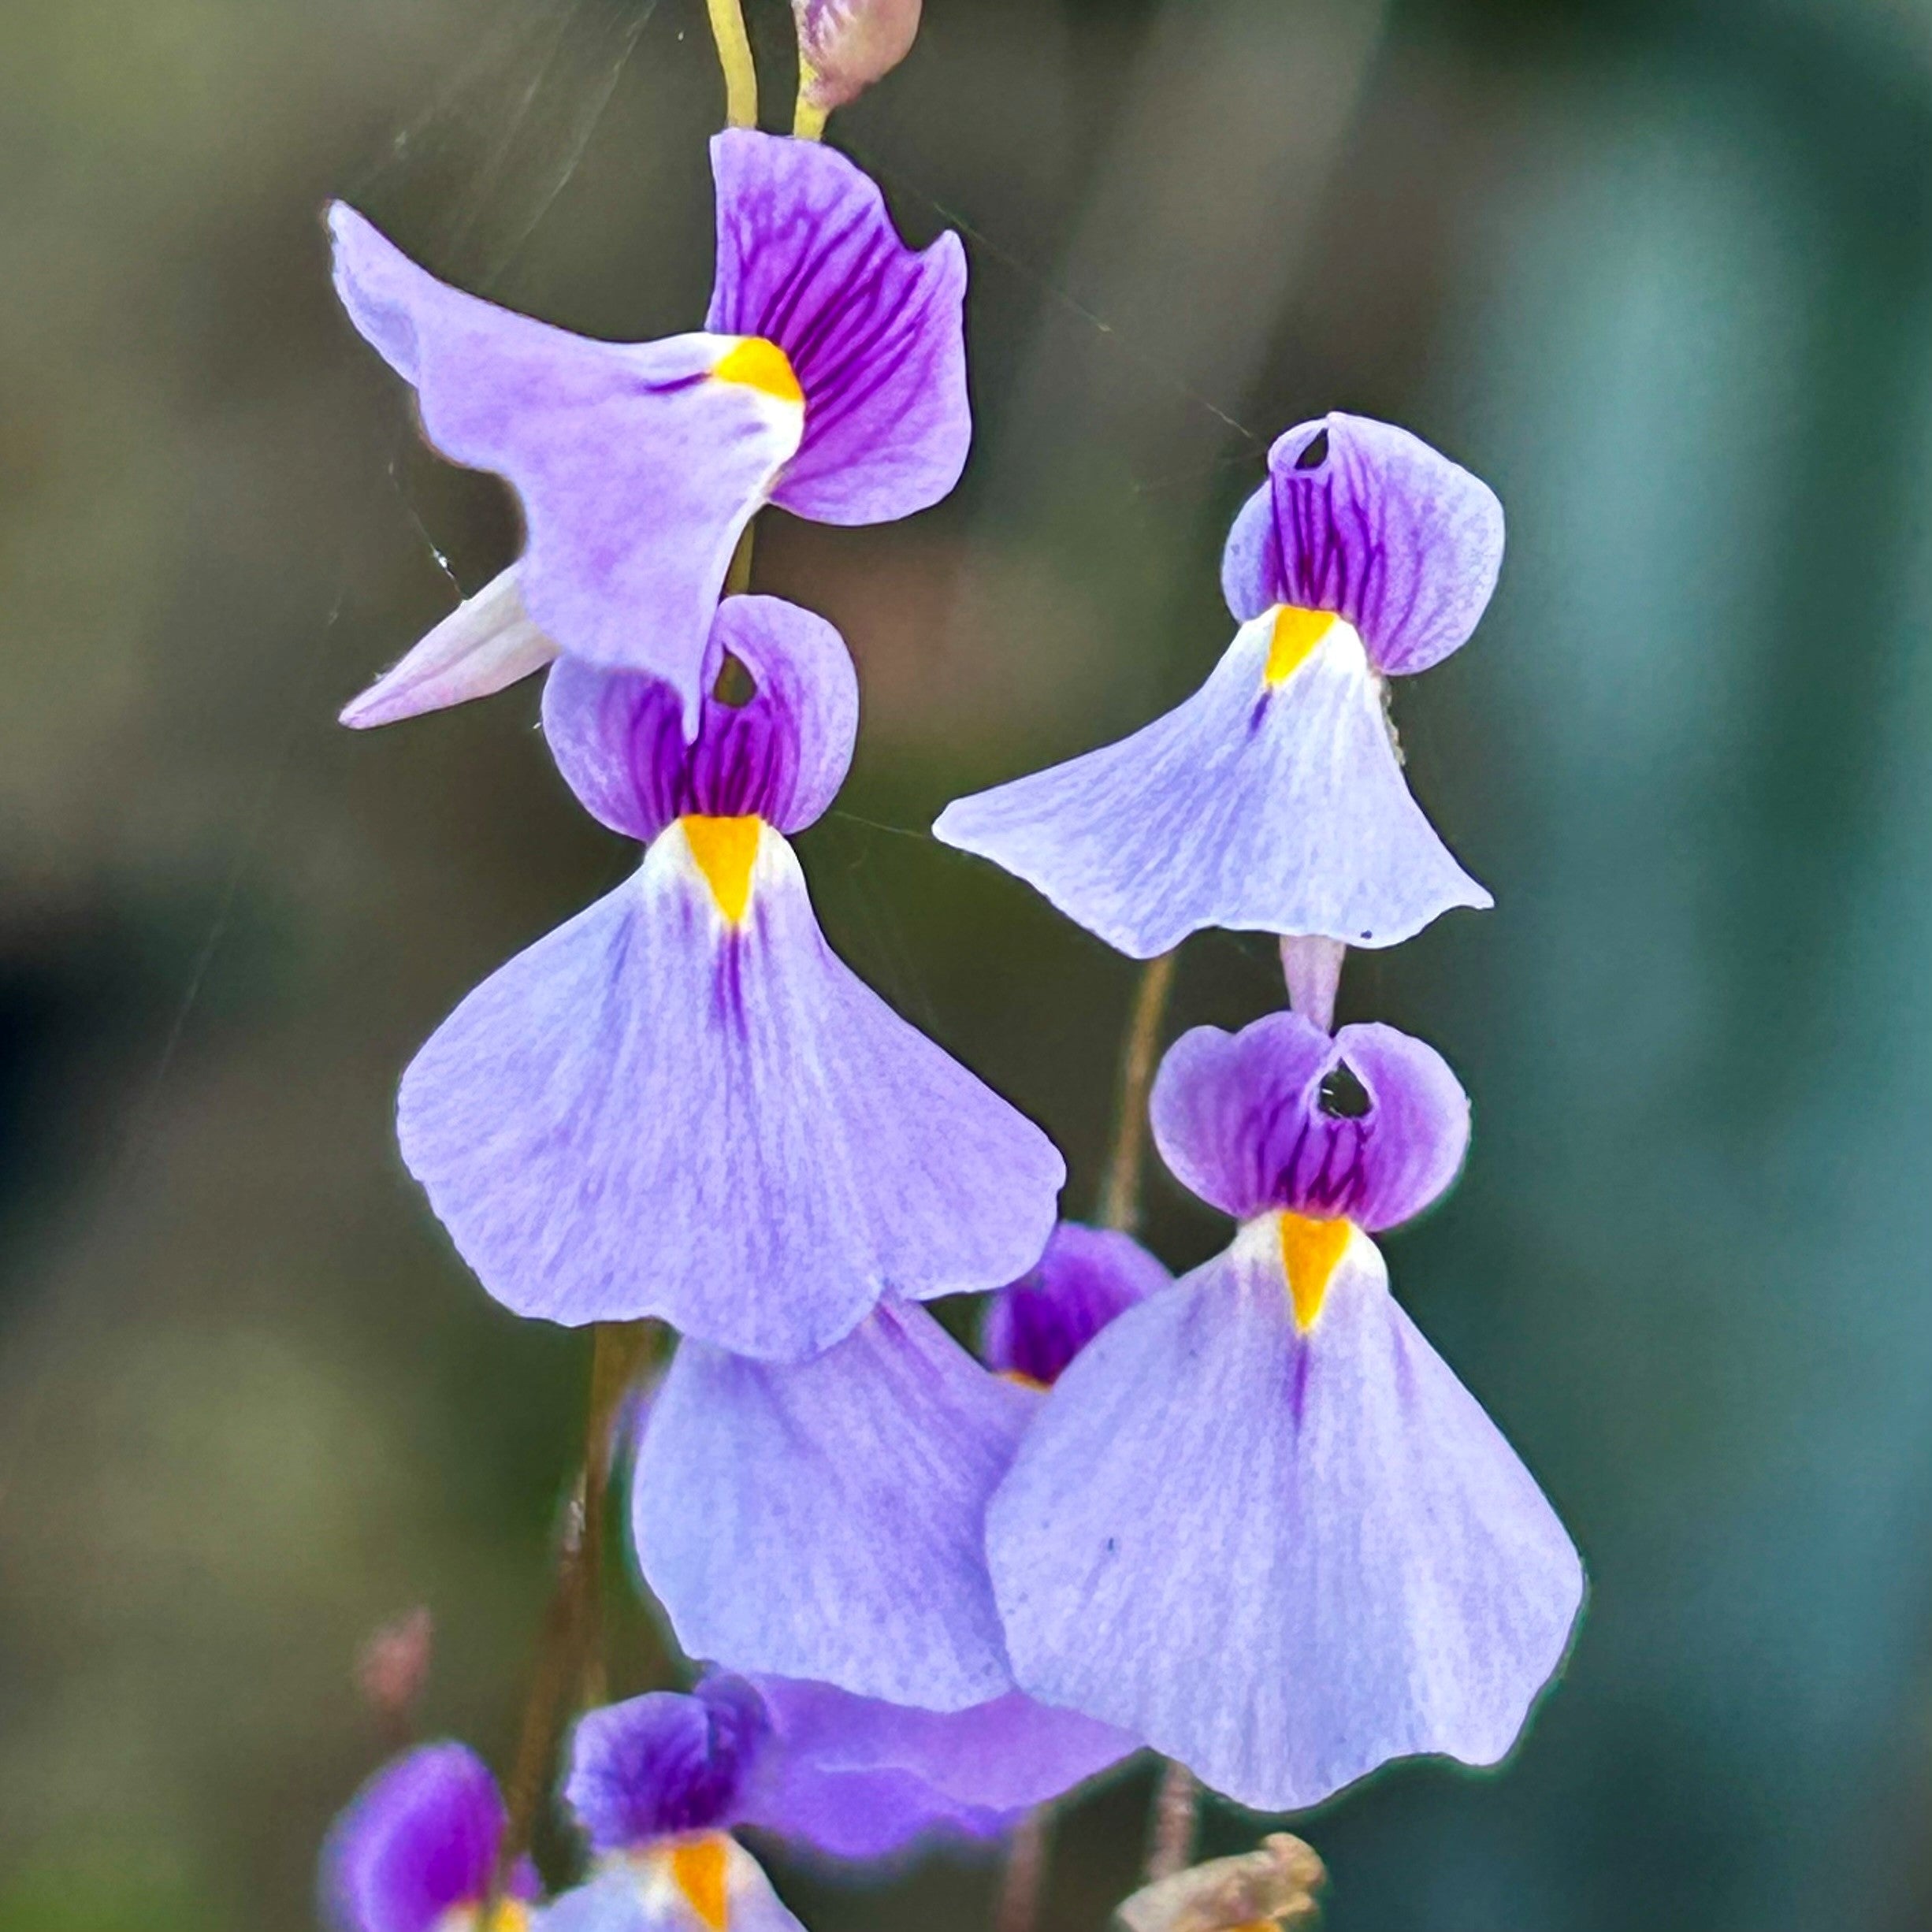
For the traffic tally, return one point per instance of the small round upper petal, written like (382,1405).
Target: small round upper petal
(1369,1127)
(1364,519)
(779,752)
(664,1764)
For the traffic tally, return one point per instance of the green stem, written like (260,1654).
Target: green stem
(734,56)
(1140,1053)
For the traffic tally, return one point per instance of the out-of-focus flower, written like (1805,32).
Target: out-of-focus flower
(681,1103)
(1277,1884)
(1033,1327)
(659,1783)
(1272,801)
(393,1666)
(846,45)
(655,1785)
(1258,1521)
(416,1847)
(830,379)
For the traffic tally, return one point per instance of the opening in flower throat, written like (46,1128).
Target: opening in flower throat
(1342,1096)
(734,685)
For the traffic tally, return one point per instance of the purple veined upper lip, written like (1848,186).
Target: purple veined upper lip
(779,753)
(1366,521)
(830,379)
(1370,1125)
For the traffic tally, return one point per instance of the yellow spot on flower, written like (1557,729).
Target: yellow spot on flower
(699,1867)
(762,365)
(1310,1250)
(724,849)
(511,1914)
(1020,1379)
(1297,633)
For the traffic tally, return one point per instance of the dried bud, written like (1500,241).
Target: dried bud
(1274,1885)
(393,1667)
(846,45)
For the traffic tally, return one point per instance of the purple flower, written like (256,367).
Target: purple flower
(656,1784)
(1272,801)
(830,379)
(681,1103)
(1033,1327)
(827,1519)
(1258,1521)
(851,1777)
(415,1850)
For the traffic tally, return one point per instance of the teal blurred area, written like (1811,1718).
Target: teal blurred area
(1661,271)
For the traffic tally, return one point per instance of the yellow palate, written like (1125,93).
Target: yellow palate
(1020,1379)
(762,365)
(1310,1250)
(1297,633)
(725,849)
(511,1916)
(698,1869)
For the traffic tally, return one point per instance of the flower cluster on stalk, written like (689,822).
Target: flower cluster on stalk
(1248,1517)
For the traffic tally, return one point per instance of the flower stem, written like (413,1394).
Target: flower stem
(1170,1845)
(1119,1197)
(569,1669)
(734,56)
(1025,1878)
(808,121)
(1171,1840)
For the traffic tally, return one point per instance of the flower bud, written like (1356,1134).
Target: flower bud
(846,45)
(1274,1885)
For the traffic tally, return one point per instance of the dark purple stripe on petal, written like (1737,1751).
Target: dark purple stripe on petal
(1377,527)
(1369,1127)
(808,257)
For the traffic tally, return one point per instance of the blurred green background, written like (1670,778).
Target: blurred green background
(1662,273)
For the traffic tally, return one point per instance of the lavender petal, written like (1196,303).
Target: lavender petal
(660,1110)
(1255,806)
(1284,1558)
(824,1519)
(808,257)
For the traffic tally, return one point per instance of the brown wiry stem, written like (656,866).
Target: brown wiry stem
(1025,1877)
(1019,1906)
(1176,1803)
(1119,1196)
(568,1669)
(1171,1838)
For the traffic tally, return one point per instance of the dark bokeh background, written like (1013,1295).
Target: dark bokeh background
(1662,273)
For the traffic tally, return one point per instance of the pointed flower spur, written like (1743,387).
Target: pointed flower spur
(682,1103)
(830,378)
(1257,1521)
(1272,801)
